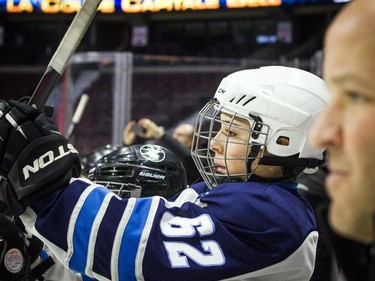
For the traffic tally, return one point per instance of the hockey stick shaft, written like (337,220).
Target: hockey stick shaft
(77,115)
(65,50)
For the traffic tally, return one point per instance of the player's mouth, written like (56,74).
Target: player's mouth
(220,169)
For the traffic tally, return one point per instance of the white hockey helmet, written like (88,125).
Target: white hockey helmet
(278,102)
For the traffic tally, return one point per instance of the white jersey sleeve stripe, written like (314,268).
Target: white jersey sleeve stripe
(94,233)
(144,238)
(72,221)
(84,215)
(118,238)
(131,238)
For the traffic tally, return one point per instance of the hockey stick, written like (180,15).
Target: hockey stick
(65,50)
(77,115)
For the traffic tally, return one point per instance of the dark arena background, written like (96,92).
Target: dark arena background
(161,59)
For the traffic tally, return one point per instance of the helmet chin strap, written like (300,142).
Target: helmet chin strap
(287,175)
(291,162)
(292,166)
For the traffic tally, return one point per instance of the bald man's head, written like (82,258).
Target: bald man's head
(184,134)
(349,49)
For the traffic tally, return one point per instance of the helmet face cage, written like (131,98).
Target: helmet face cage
(123,190)
(209,125)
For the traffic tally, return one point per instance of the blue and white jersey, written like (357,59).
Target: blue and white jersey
(57,271)
(237,231)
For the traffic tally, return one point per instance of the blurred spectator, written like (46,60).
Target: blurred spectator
(179,141)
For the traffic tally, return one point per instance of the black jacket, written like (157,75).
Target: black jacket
(356,260)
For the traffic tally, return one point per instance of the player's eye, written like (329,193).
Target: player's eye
(355,96)
(229,133)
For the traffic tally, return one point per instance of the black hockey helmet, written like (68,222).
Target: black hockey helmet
(89,160)
(141,171)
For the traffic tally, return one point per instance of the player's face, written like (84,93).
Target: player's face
(231,148)
(347,127)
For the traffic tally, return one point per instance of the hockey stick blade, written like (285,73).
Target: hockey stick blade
(65,50)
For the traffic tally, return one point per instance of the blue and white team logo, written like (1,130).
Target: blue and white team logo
(152,152)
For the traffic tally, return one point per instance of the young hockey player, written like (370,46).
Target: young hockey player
(244,222)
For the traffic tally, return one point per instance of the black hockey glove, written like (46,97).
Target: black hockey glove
(35,158)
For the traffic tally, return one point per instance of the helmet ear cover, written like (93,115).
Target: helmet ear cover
(291,166)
